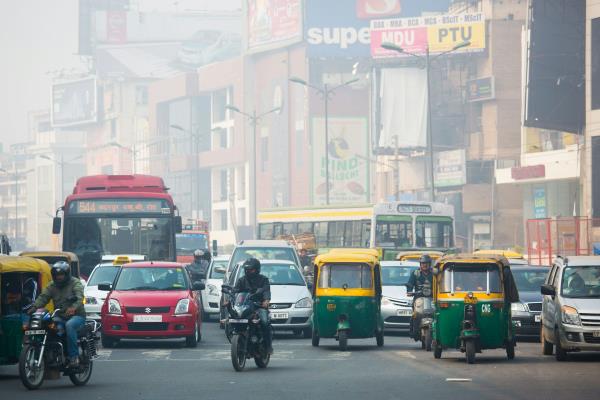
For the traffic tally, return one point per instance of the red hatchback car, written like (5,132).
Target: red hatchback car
(151,300)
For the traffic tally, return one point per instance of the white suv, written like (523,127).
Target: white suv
(571,306)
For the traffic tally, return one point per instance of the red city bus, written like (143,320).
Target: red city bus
(118,214)
(194,236)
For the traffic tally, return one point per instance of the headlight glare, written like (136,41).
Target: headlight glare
(114,307)
(183,306)
(518,307)
(570,316)
(304,303)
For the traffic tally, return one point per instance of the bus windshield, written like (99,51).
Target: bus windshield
(188,242)
(91,237)
(434,232)
(393,231)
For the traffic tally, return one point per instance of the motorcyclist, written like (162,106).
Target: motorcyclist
(251,282)
(66,292)
(304,258)
(419,280)
(198,268)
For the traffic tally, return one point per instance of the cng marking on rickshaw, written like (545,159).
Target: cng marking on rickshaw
(459,380)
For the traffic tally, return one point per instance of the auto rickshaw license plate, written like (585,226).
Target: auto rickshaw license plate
(35,332)
(331,307)
(596,334)
(470,300)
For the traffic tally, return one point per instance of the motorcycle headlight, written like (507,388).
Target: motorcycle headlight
(212,290)
(90,300)
(385,301)
(304,303)
(570,316)
(114,307)
(518,307)
(183,306)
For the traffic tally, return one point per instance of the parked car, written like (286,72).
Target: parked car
(396,306)
(527,313)
(151,300)
(211,295)
(571,306)
(290,308)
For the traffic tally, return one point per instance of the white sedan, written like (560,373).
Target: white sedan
(94,298)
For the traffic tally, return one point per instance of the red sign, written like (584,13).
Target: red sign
(529,172)
(411,39)
(273,22)
(116,26)
(369,9)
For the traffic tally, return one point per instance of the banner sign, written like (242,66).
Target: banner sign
(439,33)
(539,202)
(450,168)
(348,149)
(273,23)
(480,89)
(74,103)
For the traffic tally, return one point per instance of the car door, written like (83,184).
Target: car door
(548,306)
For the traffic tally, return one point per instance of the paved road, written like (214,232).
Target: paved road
(165,369)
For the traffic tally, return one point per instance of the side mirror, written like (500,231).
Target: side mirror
(105,287)
(198,286)
(220,269)
(548,290)
(178,224)
(225,289)
(56,222)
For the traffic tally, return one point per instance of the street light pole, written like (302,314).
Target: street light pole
(325,91)
(428,60)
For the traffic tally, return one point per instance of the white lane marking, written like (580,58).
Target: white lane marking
(459,380)
(103,354)
(157,354)
(405,354)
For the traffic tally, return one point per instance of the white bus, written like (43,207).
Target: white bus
(412,225)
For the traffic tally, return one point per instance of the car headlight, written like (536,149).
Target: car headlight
(212,290)
(570,316)
(385,301)
(114,307)
(90,300)
(183,306)
(518,307)
(304,303)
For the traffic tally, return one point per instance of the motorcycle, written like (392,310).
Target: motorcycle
(422,317)
(245,331)
(43,355)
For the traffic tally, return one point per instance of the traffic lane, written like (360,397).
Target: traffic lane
(159,369)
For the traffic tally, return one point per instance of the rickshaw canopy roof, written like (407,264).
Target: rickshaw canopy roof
(369,252)
(25,264)
(502,253)
(69,256)
(472,259)
(415,255)
(346,257)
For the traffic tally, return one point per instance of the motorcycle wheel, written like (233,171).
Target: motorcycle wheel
(81,378)
(343,339)
(228,332)
(31,376)
(428,340)
(262,360)
(238,353)
(470,351)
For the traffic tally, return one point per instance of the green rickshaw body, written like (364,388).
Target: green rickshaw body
(493,324)
(363,316)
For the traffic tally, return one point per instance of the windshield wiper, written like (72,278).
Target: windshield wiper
(143,288)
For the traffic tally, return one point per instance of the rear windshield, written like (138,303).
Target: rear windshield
(103,275)
(263,253)
(581,282)
(471,278)
(282,274)
(353,276)
(151,278)
(529,280)
(396,275)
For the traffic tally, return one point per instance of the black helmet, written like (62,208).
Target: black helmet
(251,263)
(425,259)
(61,267)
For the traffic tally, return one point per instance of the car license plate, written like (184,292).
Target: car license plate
(596,334)
(279,315)
(404,313)
(238,321)
(537,318)
(35,332)
(147,318)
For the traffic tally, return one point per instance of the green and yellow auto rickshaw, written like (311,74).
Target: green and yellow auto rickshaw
(21,280)
(347,298)
(472,298)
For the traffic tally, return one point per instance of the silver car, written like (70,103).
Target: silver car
(396,306)
(571,306)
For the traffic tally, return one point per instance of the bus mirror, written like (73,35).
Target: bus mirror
(178,224)
(215,249)
(56,225)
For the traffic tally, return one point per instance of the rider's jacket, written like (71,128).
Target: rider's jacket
(62,295)
(418,280)
(246,284)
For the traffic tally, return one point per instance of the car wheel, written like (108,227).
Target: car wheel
(547,347)
(192,341)
(315,338)
(561,354)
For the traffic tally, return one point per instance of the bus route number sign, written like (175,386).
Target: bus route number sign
(117,206)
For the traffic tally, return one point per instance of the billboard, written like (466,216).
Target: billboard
(74,103)
(274,23)
(348,150)
(480,89)
(438,33)
(340,28)
(450,168)
(555,87)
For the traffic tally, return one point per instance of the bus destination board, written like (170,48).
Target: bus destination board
(119,206)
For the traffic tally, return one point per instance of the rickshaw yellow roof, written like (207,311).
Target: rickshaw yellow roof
(503,253)
(24,264)
(370,252)
(346,257)
(403,255)
(37,254)
(473,259)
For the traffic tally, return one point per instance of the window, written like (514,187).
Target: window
(581,281)
(135,278)
(265,231)
(529,280)
(595,42)
(289,228)
(321,234)
(354,276)
(393,231)
(305,227)
(335,237)
(223,184)
(434,232)
(471,278)
(223,225)
(396,275)
(141,95)
(219,99)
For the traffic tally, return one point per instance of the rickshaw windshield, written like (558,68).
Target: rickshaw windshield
(471,278)
(352,276)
